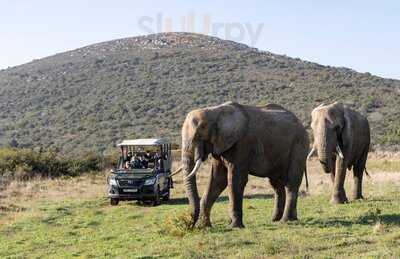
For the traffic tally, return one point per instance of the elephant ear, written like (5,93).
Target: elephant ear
(230,126)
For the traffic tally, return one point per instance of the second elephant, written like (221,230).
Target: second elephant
(341,140)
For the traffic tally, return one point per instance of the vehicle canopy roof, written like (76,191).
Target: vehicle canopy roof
(144,142)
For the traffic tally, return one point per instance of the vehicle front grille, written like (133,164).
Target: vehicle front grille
(130,182)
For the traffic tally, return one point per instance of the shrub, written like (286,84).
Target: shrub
(24,164)
(391,135)
(178,224)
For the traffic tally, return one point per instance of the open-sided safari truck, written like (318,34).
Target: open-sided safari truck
(143,172)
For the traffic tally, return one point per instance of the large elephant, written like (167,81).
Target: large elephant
(262,141)
(341,140)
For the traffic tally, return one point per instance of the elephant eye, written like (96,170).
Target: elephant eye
(195,122)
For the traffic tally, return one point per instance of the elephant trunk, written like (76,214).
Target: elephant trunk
(325,153)
(190,163)
(325,160)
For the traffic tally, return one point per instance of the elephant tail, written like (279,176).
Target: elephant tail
(305,174)
(366,172)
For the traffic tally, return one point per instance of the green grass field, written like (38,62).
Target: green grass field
(66,225)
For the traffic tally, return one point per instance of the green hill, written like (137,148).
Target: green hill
(91,98)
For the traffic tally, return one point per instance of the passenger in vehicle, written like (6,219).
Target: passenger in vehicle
(143,162)
(129,156)
(149,157)
(135,162)
(127,165)
(158,157)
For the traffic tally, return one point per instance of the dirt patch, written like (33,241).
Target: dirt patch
(87,186)
(384,177)
(319,182)
(384,155)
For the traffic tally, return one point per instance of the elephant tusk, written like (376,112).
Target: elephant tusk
(311,153)
(177,171)
(195,169)
(339,152)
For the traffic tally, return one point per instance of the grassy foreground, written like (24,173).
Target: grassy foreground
(91,228)
(72,223)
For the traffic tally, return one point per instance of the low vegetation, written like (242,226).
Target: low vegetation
(70,217)
(25,164)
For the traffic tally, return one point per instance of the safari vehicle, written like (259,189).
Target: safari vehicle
(143,172)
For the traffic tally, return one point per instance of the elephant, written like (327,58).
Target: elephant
(239,140)
(341,140)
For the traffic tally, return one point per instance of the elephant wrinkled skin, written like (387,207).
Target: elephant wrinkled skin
(264,141)
(341,140)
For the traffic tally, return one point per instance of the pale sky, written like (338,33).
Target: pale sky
(363,35)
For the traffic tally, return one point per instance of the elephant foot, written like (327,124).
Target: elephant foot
(277,216)
(236,224)
(357,197)
(339,198)
(194,219)
(287,218)
(205,223)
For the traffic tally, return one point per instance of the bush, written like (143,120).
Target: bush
(391,135)
(24,164)
(178,224)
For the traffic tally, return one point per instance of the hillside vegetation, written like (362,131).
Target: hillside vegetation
(90,98)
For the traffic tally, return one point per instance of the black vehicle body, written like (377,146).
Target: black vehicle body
(139,184)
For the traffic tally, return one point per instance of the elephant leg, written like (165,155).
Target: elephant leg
(280,197)
(358,172)
(339,194)
(333,171)
(237,180)
(216,184)
(290,212)
(295,175)
(357,189)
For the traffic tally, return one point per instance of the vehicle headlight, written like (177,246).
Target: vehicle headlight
(112,181)
(150,181)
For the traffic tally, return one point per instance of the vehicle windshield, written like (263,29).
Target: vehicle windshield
(141,158)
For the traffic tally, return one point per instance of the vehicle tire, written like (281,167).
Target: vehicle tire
(166,196)
(114,201)
(157,199)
